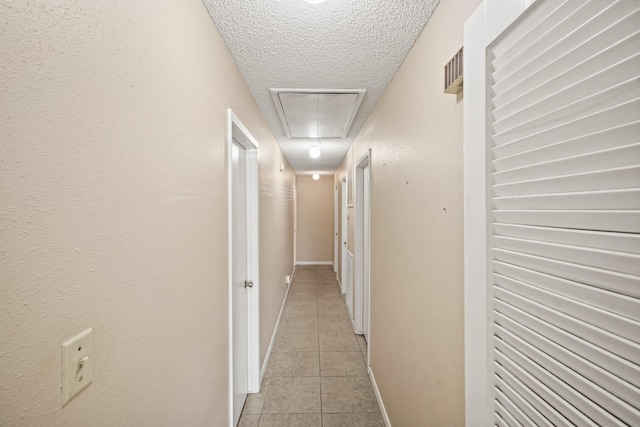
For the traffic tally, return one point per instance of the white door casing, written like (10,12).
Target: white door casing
(244,353)
(552,213)
(239,309)
(295,225)
(336,237)
(362,245)
(343,237)
(366,250)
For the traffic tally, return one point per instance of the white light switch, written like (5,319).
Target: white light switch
(77,364)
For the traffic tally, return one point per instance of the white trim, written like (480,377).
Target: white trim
(358,259)
(383,410)
(253,294)
(482,27)
(295,221)
(230,265)
(336,237)
(314,263)
(343,236)
(349,292)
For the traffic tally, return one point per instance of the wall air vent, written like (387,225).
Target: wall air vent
(453,72)
(317,113)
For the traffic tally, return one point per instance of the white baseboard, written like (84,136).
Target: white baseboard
(263,369)
(314,262)
(383,410)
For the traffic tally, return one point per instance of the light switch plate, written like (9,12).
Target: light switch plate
(77,364)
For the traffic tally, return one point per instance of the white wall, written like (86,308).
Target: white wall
(113,210)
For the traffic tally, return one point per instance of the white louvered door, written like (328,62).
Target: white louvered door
(563,105)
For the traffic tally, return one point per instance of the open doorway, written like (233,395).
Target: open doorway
(244,357)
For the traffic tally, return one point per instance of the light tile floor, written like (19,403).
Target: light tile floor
(316,376)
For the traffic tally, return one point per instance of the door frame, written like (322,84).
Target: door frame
(361,260)
(250,145)
(295,223)
(335,230)
(343,236)
(482,27)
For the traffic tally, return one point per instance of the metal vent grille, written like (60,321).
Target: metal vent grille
(453,74)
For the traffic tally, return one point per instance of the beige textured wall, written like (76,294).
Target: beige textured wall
(315,219)
(276,232)
(415,132)
(113,210)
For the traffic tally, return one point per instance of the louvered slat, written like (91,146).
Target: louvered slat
(529,411)
(593,35)
(626,134)
(548,414)
(600,356)
(621,262)
(516,350)
(621,56)
(576,387)
(600,337)
(593,316)
(611,158)
(592,239)
(596,297)
(541,389)
(629,395)
(599,278)
(565,210)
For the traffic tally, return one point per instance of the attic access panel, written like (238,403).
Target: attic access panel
(317,113)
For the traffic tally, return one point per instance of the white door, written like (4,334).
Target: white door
(552,213)
(343,237)
(238,278)
(295,225)
(336,238)
(244,286)
(361,282)
(366,249)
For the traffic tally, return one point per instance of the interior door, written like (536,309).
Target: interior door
(366,250)
(336,238)
(343,238)
(362,244)
(239,257)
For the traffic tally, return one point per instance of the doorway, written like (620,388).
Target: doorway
(242,169)
(336,238)
(362,246)
(343,237)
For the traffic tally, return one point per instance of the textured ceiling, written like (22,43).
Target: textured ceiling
(338,44)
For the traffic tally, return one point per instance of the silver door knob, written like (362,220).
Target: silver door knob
(248,284)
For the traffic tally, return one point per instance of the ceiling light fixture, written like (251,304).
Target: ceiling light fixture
(315,176)
(314,152)
(314,1)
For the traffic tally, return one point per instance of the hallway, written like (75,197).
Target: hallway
(316,374)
